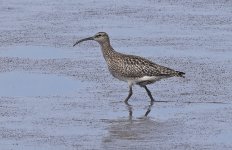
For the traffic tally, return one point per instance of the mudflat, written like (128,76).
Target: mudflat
(54,96)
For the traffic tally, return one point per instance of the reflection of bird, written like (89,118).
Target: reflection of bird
(130,68)
(130,109)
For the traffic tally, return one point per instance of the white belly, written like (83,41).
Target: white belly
(143,79)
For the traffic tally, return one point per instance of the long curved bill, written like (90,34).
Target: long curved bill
(82,40)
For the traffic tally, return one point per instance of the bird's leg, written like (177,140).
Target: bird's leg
(129,95)
(149,93)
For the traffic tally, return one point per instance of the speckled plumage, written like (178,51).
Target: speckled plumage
(130,68)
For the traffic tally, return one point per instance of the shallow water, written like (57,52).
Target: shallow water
(37,52)
(54,109)
(59,97)
(24,84)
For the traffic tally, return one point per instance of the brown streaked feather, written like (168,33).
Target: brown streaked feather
(136,67)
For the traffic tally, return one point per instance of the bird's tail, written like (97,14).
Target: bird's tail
(180,74)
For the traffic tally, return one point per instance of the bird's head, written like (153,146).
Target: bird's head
(100,37)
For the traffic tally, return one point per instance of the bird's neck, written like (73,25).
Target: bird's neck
(107,49)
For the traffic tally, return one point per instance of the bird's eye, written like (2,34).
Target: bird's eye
(98,36)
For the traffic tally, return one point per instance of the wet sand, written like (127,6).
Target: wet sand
(54,96)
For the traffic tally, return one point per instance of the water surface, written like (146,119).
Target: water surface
(25,84)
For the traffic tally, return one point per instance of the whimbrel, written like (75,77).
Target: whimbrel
(134,70)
